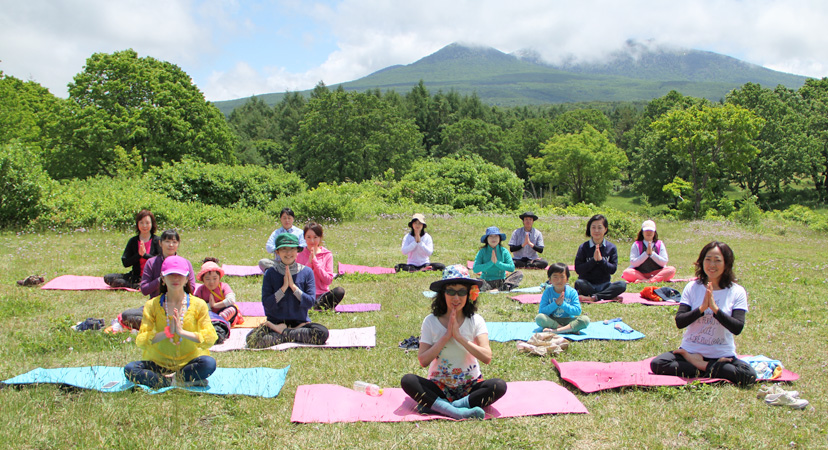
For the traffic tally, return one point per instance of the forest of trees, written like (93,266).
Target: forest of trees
(128,116)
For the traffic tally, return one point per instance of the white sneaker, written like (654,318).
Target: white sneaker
(786,400)
(769,389)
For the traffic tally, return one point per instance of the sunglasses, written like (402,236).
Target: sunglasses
(458,292)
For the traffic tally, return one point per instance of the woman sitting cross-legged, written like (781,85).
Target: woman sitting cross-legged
(453,341)
(712,311)
(176,333)
(288,292)
(320,261)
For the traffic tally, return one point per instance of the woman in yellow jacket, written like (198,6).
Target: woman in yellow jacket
(176,334)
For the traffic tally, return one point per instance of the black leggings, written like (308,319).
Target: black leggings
(425,392)
(309,333)
(413,268)
(738,372)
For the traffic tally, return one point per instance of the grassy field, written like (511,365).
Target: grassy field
(780,266)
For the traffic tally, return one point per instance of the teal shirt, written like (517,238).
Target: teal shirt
(490,270)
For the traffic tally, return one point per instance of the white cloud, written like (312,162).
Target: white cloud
(50,41)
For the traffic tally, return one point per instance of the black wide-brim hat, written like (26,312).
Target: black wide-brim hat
(528,214)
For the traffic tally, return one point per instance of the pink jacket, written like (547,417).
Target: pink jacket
(322,266)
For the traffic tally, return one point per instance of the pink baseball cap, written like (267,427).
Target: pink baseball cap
(175,264)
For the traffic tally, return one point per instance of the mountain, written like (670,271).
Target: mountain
(634,73)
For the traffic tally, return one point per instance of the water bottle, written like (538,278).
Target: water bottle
(368,388)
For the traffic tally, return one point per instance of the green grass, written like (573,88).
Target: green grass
(780,266)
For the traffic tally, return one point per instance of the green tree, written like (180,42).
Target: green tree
(28,113)
(571,122)
(584,164)
(652,165)
(713,141)
(145,105)
(254,123)
(474,136)
(524,140)
(353,136)
(23,185)
(815,95)
(786,150)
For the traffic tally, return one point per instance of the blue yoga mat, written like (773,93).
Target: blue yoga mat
(255,382)
(522,331)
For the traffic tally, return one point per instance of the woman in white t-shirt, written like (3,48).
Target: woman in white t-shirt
(712,311)
(418,247)
(453,341)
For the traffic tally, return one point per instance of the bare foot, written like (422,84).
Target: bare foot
(280,328)
(695,359)
(587,298)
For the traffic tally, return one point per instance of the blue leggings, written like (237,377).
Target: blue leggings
(151,374)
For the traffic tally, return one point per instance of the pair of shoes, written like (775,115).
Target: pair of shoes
(31,280)
(89,324)
(771,389)
(787,400)
(411,343)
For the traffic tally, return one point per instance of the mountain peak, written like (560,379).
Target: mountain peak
(457,51)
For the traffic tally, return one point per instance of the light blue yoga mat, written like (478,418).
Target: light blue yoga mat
(526,290)
(522,331)
(255,381)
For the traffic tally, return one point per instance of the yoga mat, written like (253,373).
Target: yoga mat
(470,265)
(627,298)
(590,376)
(522,331)
(255,309)
(348,337)
(255,382)
(251,322)
(241,271)
(357,307)
(351,268)
(329,403)
(250,309)
(672,280)
(81,283)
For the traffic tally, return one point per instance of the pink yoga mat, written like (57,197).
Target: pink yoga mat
(348,337)
(328,403)
(241,271)
(255,309)
(672,280)
(352,268)
(626,298)
(81,283)
(589,376)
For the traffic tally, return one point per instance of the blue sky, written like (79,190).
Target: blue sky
(236,48)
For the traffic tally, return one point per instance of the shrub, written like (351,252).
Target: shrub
(113,202)
(24,185)
(466,183)
(346,201)
(220,185)
(749,213)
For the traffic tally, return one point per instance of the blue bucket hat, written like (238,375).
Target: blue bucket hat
(456,274)
(490,231)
